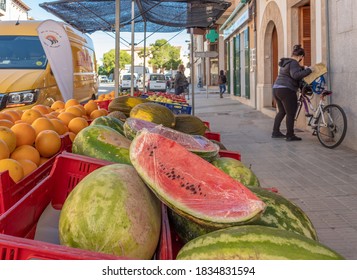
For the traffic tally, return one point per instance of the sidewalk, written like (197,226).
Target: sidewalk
(323,182)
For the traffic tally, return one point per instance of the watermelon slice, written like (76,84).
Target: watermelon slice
(190,185)
(194,143)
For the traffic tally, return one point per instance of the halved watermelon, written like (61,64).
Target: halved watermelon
(190,185)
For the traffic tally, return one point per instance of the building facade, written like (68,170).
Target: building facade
(13,10)
(258,33)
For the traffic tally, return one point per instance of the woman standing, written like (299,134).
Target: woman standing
(180,80)
(222,80)
(285,90)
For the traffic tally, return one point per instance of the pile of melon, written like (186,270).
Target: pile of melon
(29,138)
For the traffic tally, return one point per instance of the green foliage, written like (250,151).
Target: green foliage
(109,62)
(164,56)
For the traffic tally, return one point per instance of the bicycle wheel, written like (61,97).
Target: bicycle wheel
(331,126)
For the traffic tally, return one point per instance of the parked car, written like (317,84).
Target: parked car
(156,82)
(125,82)
(103,79)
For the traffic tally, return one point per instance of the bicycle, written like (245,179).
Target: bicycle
(329,122)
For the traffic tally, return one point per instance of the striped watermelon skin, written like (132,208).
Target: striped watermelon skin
(190,185)
(112,211)
(279,213)
(255,243)
(111,122)
(102,142)
(237,170)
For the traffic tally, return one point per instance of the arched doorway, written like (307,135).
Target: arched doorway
(275,59)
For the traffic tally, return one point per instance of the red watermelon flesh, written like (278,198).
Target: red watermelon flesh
(190,185)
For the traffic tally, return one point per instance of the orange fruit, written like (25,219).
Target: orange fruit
(41,124)
(96,114)
(4,150)
(101,97)
(25,133)
(28,166)
(6,123)
(59,125)
(42,108)
(59,104)
(104,111)
(48,143)
(71,136)
(66,117)
(77,124)
(9,137)
(16,171)
(30,115)
(81,107)
(5,116)
(43,160)
(26,152)
(75,111)
(90,106)
(70,102)
(14,114)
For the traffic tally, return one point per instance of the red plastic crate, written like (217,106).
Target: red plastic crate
(206,124)
(67,171)
(230,154)
(11,192)
(103,104)
(213,136)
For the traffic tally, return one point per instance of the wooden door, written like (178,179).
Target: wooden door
(274,59)
(305,33)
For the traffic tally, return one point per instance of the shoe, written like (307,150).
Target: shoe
(293,138)
(221,96)
(278,135)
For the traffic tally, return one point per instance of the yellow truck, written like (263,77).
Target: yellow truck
(26,78)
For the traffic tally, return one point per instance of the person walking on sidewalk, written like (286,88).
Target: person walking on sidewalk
(222,80)
(285,90)
(180,80)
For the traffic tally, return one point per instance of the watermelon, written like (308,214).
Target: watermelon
(101,214)
(279,213)
(191,186)
(194,143)
(237,170)
(102,142)
(155,113)
(255,243)
(111,122)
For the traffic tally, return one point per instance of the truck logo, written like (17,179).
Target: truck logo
(52,39)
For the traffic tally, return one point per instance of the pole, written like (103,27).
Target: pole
(117,48)
(132,47)
(207,75)
(192,73)
(144,70)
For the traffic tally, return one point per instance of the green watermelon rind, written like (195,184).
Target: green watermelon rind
(111,122)
(179,207)
(91,141)
(101,214)
(237,170)
(253,242)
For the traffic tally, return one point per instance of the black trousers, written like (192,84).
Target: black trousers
(286,100)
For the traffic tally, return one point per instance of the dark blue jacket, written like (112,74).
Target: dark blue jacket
(291,73)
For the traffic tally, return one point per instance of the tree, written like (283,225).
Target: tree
(109,61)
(164,56)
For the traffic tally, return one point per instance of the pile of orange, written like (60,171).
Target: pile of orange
(29,138)
(107,96)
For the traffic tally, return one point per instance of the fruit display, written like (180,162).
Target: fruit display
(188,184)
(255,243)
(124,104)
(35,134)
(165,97)
(101,214)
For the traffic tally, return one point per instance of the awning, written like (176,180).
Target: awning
(160,15)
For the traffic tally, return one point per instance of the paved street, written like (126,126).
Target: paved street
(323,182)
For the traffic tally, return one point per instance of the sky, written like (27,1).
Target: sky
(104,42)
